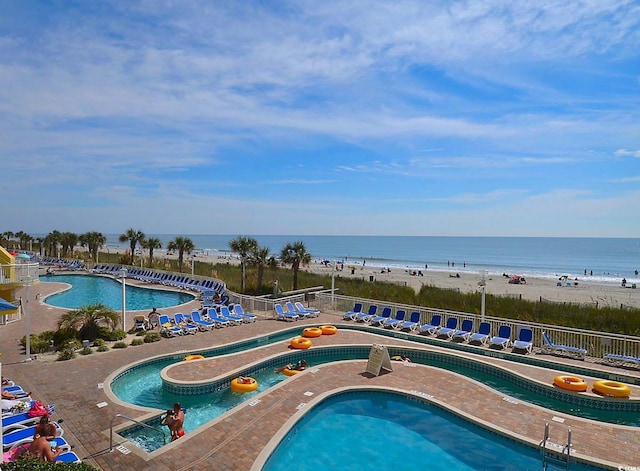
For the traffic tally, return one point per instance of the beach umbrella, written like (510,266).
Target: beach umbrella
(7,306)
(23,256)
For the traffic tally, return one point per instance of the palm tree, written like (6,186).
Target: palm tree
(151,243)
(23,239)
(182,245)
(88,319)
(295,254)
(68,240)
(52,241)
(243,246)
(260,258)
(133,236)
(94,241)
(6,238)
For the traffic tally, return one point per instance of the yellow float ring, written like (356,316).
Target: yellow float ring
(612,388)
(243,387)
(570,383)
(289,372)
(312,332)
(301,343)
(329,329)
(193,357)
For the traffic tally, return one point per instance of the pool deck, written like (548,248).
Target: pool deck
(235,440)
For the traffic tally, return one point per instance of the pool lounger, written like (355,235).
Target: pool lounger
(549,347)
(619,360)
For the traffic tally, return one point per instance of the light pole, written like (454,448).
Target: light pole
(483,285)
(193,263)
(333,284)
(24,304)
(123,276)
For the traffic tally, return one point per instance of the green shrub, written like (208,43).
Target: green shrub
(66,354)
(62,337)
(140,333)
(151,337)
(102,348)
(99,343)
(86,351)
(136,342)
(119,345)
(32,464)
(111,335)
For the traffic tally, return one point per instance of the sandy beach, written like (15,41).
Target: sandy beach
(535,289)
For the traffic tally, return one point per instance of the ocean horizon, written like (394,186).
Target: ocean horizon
(600,260)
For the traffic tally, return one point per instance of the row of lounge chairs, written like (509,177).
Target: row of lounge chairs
(18,428)
(62,263)
(294,312)
(460,333)
(209,319)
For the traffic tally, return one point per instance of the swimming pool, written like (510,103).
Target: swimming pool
(389,431)
(142,385)
(88,289)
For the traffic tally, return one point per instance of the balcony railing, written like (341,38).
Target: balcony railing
(19,273)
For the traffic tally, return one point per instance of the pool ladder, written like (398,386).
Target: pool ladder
(555,454)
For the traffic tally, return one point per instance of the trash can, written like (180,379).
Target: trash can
(85,343)
(371,278)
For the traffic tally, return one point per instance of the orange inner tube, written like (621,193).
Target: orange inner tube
(193,357)
(612,388)
(289,372)
(301,343)
(312,332)
(329,329)
(570,383)
(243,387)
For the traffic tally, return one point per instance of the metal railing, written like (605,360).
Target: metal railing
(597,344)
(19,273)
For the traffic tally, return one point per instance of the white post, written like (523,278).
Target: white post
(123,275)
(482,305)
(483,285)
(333,284)
(193,263)
(25,303)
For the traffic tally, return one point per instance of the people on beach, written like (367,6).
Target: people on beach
(9,396)
(624,282)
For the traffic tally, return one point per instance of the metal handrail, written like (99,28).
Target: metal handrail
(160,431)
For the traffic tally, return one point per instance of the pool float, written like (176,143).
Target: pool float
(312,332)
(301,343)
(612,388)
(193,357)
(288,372)
(329,329)
(236,386)
(570,383)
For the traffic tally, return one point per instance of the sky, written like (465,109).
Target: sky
(467,118)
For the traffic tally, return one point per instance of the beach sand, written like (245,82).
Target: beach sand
(534,290)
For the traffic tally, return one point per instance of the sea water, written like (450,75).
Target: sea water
(600,260)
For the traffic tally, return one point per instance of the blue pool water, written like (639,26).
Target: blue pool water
(87,290)
(386,431)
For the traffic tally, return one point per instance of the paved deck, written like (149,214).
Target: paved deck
(225,445)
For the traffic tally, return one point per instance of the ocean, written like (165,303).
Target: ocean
(604,260)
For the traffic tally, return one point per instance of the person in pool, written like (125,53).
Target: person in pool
(175,421)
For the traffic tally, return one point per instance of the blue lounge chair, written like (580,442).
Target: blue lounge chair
(350,315)
(482,336)
(386,313)
(68,457)
(294,310)
(367,316)
(139,323)
(284,316)
(246,316)
(18,421)
(399,319)
(226,314)
(168,327)
(184,323)
(25,435)
(309,310)
(432,327)
(549,347)
(219,321)
(195,318)
(620,360)
(503,339)
(525,340)
(412,324)
(464,333)
(449,329)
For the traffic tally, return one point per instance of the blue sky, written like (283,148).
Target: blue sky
(333,117)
